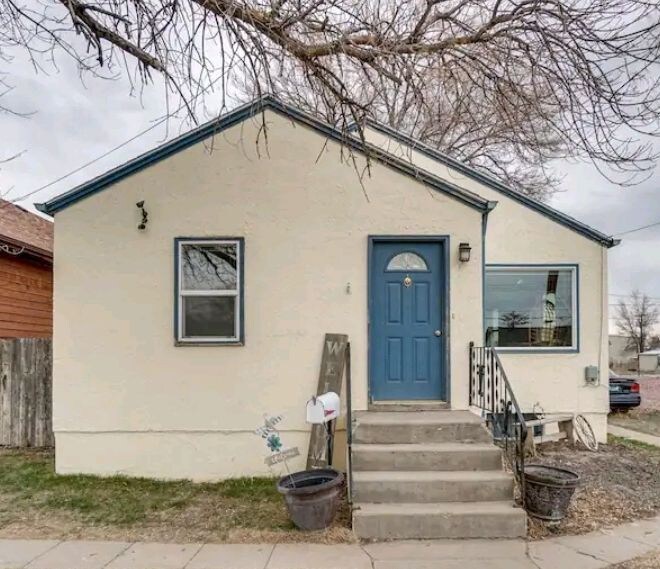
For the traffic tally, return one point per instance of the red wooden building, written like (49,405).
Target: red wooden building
(26,273)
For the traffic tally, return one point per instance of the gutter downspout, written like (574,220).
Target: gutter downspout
(484,225)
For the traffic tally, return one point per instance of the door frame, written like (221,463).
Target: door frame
(444,241)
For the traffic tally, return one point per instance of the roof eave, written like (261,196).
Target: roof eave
(42,207)
(28,249)
(244,112)
(555,215)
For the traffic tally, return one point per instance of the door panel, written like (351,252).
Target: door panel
(406,310)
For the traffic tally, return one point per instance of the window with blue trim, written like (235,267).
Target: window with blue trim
(209,291)
(531,307)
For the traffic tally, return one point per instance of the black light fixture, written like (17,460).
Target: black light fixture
(464,252)
(145,216)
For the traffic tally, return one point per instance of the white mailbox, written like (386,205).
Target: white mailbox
(323,408)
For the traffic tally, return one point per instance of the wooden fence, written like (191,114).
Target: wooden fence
(26,393)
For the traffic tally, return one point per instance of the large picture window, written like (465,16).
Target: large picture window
(531,307)
(209,291)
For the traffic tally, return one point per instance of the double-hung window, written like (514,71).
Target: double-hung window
(531,307)
(209,291)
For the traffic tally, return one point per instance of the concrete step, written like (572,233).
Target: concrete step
(409,406)
(438,521)
(376,427)
(427,456)
(432,486)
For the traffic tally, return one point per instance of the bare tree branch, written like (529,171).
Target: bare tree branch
(506,85)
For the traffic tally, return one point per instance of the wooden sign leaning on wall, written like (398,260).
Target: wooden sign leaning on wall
(331,376)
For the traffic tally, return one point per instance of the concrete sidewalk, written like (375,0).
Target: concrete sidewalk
(591,551)
(634,435)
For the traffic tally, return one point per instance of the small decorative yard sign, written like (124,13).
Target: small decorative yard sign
(282,456)
(269,432)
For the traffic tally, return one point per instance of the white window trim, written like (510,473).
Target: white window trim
(236,293)
(575,305)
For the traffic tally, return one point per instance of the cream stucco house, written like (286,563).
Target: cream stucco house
(268,228)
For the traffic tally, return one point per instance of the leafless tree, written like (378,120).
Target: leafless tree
(209,267)
(503,84)
(636,319)
(514,319)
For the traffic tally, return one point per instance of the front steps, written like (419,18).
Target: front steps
(429,456)
(447,520)
(430,475)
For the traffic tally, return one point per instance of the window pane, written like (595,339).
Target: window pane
(407,262)
(209,267)
(529,308)
(209,316)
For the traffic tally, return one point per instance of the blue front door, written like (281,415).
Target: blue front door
(406,321)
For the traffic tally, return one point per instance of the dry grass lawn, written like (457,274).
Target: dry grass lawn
(619,483)
(34,502)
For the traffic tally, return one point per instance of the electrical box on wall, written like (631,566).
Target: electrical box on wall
(591,375)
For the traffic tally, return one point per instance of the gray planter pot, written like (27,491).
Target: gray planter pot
(312,497)
(548,491)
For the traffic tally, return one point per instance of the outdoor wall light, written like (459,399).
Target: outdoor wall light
(464,252)
(145,216)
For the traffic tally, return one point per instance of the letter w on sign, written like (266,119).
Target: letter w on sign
(331,378)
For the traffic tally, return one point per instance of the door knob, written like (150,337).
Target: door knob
(438,332)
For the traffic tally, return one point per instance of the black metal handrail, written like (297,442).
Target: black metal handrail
(491,392)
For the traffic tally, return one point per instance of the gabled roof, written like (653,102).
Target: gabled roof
(240,114)
(22,229)
(494,184)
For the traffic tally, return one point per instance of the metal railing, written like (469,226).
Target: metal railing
(349,425)
(491,392)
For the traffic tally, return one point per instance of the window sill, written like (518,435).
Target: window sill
(214,343)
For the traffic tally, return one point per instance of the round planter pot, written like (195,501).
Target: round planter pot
(312,497)
(548,491)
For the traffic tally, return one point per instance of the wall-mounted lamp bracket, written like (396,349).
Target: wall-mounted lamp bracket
(145,216)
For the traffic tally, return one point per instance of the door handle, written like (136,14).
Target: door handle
(438,333)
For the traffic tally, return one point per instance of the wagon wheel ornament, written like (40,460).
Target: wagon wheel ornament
(585,433)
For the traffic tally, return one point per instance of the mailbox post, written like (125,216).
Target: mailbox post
(324,410)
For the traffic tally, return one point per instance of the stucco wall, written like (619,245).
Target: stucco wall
(517,234)
(127,400)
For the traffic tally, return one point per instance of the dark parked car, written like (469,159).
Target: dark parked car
(624,392)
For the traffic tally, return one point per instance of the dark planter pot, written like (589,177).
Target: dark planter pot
(548,491)
(312,497)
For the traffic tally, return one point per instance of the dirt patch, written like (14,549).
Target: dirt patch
(619,483)
(649,561)
(36,503)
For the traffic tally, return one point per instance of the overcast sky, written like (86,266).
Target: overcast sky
(75,122)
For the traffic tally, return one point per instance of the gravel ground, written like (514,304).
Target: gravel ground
(619,483)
